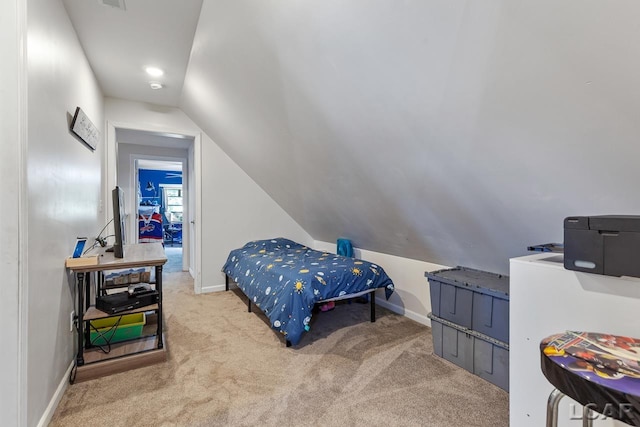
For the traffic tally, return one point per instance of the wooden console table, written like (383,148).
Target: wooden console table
(92,363)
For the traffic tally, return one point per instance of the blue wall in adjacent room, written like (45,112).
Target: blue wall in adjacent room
(157,177)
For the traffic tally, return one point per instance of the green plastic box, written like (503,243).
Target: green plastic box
(129,326)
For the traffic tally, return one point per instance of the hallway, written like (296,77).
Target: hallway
(174,259)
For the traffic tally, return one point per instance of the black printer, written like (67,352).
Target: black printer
(605,244)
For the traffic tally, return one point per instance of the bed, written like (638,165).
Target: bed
(286,280)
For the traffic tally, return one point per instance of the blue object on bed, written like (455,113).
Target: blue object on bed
(344,247)
(285,279)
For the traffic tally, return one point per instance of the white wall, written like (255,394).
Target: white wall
(411,297)
(12,143)
(63,192)
(235,209)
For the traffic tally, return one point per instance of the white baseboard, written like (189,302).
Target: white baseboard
(55,400)
(420,318)
(214,288)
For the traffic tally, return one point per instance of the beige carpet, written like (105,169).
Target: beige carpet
(174,259)
(226,367)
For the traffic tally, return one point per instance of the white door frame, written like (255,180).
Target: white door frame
(194,190)
(14,259)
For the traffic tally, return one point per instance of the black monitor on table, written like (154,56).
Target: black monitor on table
(118,222)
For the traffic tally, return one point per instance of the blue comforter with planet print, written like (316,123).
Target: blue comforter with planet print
(285,279)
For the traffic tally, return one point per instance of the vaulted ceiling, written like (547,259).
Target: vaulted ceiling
(455,132)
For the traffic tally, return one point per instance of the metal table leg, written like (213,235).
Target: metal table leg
(587,417)
(159,289)
(552,407)
(80,322)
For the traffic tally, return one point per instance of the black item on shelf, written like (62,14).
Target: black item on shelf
(605,244)
(122,301)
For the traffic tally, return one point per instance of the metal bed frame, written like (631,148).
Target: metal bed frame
(372,301)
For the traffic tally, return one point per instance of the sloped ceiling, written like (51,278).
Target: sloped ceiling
(455,132)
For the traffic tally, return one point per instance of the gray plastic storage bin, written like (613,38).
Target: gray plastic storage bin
(477,353)
(474,299)
(451,344)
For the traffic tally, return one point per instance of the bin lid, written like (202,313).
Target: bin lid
(480,281)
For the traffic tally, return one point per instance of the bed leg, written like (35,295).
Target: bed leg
(226,282)
(287,343)
(249,305)
(372,301)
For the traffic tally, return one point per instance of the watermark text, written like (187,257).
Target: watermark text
(611,410)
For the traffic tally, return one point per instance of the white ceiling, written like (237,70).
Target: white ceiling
(121,43)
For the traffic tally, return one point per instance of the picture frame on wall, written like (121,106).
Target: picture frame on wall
(84,129)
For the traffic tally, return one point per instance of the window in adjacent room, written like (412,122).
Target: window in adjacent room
(173,204)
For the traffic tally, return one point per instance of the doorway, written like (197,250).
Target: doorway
(161,208)
(174,209)
(139,149)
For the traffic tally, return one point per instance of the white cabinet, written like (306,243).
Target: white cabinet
(546,299)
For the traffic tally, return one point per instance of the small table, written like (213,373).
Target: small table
(140,255)
(599,371)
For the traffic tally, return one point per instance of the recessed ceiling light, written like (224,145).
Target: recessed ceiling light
(154,71)
(155,85)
